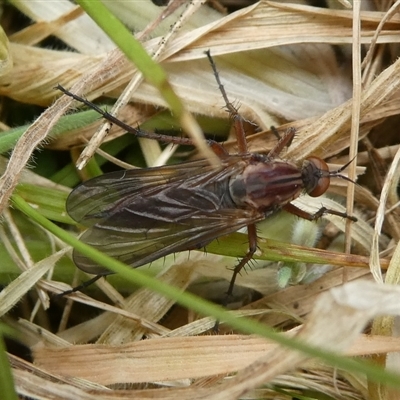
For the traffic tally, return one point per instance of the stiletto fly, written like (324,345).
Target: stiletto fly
(138,216)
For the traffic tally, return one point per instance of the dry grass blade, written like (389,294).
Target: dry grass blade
(392,180)
(329,325)
(204,356)
(10,296)
(209,355)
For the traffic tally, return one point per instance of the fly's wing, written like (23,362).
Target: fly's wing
(185,209)
(99,198)
(137,246)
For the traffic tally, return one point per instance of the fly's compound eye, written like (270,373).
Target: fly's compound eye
(315,176)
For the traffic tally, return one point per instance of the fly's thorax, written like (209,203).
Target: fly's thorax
(267,184)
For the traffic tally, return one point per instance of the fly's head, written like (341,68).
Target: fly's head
(316,176)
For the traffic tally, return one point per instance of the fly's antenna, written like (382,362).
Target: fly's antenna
(337,173)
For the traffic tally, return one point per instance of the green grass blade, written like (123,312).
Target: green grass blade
(7,389)
(204,307)
(152,72)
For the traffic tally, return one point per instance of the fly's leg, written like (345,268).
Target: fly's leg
(80,287)
(215,146)
(233,112)
(284,141)
(275,132)
(243,149)
(252,235)
(318,214)
(136,131)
